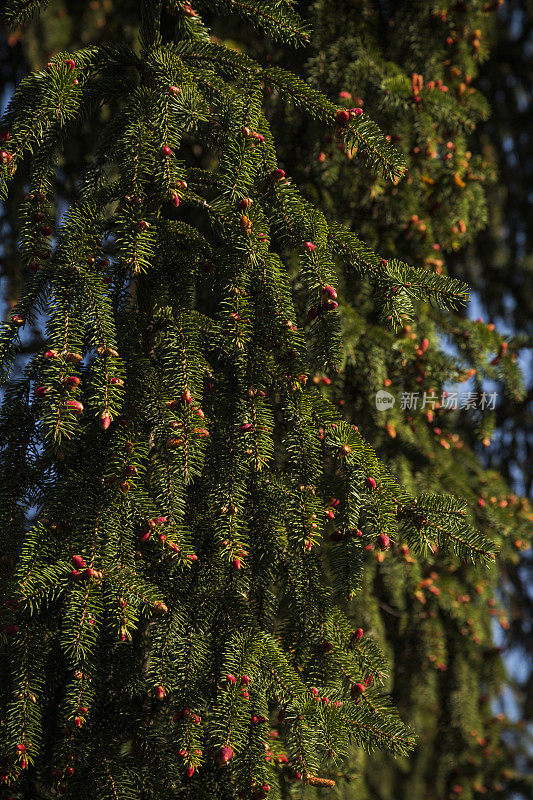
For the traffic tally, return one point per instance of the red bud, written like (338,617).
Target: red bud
(342,117)
(74,406)
(383,541)
(225,754)
(104,421)
(328,292)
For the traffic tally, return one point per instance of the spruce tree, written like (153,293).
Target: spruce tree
(180,471)
(413,69)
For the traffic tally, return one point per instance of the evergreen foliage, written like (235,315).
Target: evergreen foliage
(176,594)
(437,618)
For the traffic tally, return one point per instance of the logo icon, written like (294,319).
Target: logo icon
(384,400)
